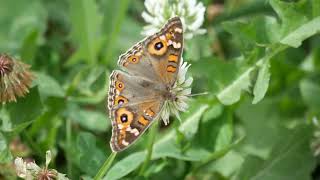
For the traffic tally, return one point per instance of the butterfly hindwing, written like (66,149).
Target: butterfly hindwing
(132,108)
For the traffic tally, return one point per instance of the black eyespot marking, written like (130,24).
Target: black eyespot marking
(121,101)
(134,59)
(120,85)
(124,118)
(158,46)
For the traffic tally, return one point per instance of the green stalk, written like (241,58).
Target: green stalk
(119,17)
(68,146)
(152,135)
(105,167)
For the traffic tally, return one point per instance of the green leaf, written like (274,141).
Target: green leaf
(48,86)
(90,83)
(298,21)
(262,83)
(93,78)
(303,32)
(260,121)
(90,156)
(86,22)
(18,19)
(5,154)
(29,46)
(256,30)
(125,166)
(285,160)
(225,132)
(309,91)
(92,120)
(213,112)
(17,129)
(232,92)
(292,14)
(223,165)
(27,108)
(190,125)
(167,147)
(220,133)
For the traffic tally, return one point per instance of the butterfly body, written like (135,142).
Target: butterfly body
(139,91)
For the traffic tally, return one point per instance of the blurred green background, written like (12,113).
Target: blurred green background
(259,61)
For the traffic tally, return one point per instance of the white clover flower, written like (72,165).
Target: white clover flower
(31,170)
(159,11)
(21,167)
(182,91)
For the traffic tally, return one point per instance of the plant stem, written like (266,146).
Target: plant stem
(152,136)
(68,146)
(119,17)
(105,167)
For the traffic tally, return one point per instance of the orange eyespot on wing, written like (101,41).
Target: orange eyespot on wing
(124,117)
(157,47)
(134,59)
(120,100)
(119,85)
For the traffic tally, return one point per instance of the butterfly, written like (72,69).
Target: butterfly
(147,84)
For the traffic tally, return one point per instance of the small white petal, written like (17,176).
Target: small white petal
(21,167)
(31,166)
(185,92)
(183,106)
(48,158)
(147,17)
(188,82)
(165,113)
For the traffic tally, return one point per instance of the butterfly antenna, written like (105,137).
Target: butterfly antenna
(198,94)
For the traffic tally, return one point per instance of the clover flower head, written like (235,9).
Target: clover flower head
(15,79)
(158,12)
(30,170)
(182,91)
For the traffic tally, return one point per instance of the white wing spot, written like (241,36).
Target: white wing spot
(135,132)
(125,143)
(163,37)
(176,45)
(178,30)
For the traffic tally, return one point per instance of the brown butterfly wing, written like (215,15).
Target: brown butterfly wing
(132,107)
(136,96)
(158,56)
